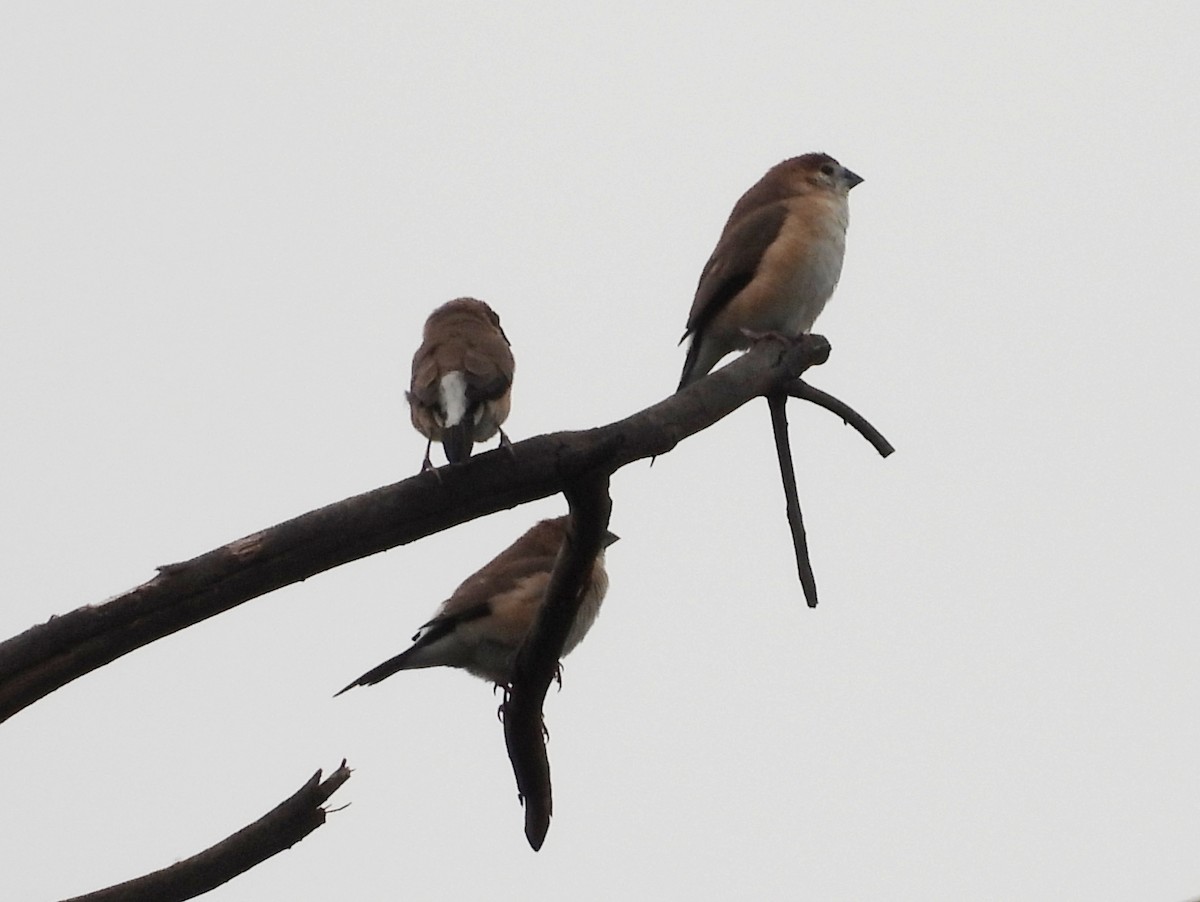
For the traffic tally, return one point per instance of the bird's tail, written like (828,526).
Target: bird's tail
(459,410)
(402,661)
(458,440)
(690,374)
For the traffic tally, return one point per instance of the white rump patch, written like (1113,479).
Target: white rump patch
(454,397)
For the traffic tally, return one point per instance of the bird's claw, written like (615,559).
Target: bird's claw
(427,464)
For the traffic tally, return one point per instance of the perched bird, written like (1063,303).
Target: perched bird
(776,263)
(462,377)
(482,625)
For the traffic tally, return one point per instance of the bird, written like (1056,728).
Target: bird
(462,375)
(482,625)
(776,262)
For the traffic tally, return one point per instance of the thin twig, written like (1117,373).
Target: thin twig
(798,388)
(783,450)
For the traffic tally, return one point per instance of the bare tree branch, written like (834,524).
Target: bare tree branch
(537,661)
(801,389)
(48,656)
(579,464)
(777,401)
(277,830)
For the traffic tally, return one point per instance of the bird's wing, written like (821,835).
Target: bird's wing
(488,365)
(733,263)
(426,372)
(486,361)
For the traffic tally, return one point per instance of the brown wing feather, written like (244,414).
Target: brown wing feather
(488,364)
(733,263)
(425,376)
(535,550)
(464,335)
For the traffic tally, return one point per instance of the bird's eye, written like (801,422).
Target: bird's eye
(827,169)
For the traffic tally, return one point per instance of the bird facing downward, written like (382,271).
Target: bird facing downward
(481,626)
(462,377)
(776,263)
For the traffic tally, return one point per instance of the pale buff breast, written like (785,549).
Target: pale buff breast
(589,608)
(490,646)
(797,276)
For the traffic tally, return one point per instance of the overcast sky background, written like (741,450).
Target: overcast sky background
(221,228)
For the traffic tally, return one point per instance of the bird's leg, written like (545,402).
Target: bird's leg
(427,464)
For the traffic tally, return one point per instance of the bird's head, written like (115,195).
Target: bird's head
(823,172)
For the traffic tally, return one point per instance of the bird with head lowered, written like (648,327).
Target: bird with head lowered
(462,375)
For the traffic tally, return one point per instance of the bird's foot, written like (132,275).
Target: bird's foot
(427,464)
(506,688)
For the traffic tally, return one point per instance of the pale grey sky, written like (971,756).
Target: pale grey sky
(221,227)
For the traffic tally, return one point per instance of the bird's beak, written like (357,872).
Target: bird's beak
(852,178)
(609,538)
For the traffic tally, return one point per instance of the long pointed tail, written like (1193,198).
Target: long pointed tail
(690,374)
(380,673)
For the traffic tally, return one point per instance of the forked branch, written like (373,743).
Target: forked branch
(46,657)
(50,655)
(787,471)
